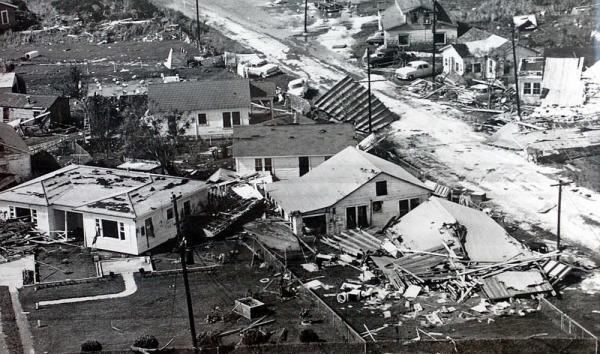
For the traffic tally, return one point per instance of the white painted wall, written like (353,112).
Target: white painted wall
(284,167)
(43,221)
(128,245)
(214,120)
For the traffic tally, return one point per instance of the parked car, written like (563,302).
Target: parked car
(262,68)
(416,69)
(376,38)
(298,87)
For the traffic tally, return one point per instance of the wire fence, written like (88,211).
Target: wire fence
(566,323)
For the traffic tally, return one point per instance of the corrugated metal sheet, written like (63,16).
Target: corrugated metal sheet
(347,101)
(562,78)
(496,289)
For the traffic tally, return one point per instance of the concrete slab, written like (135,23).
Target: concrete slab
(12,272)
(126,265)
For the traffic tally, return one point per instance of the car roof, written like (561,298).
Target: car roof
(418,62)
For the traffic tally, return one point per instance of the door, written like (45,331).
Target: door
(451,66)
(363,220)
(303,165)
(5,114)
(351,218)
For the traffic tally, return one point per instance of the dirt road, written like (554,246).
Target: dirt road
(456,153)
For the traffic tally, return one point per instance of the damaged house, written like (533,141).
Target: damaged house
(407,23)
(113,210)
(22,107)
(288,151)
(353,189)
(15,157)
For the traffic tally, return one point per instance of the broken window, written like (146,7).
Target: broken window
(414,203)
(381,188)
(268,165)
(527,88)
(477,67)
(403,39)
(537,88)
(226,119)
(109,229)
(202,119)
(258,165)
(170,214)
(377,206)
(236,118)
(149,227)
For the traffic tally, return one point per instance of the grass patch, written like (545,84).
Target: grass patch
(102,286)
(9,322)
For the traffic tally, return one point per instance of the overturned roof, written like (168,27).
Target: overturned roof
(486,241)
(347,101)
(562,78)
(292,140)
(102,190)
(18,100)
(333,180)
(199,95)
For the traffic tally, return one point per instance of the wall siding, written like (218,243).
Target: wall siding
(417,36)
(214,120)
(283,167)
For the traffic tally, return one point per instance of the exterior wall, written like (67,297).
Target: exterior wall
(15,113)
(18,164)
(43,221)
(128,245)
(11,17)
(450,58)
(530,98)
(214,120)
(285,167)
(419,36)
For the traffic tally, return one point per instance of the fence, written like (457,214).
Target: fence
(341,326)
(566,323)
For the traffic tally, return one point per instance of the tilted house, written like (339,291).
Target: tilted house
(113,210)
(409,22)
(207,108)
(480,54)
(531,72)
(288,151)
(24,107)
(15,158)
(353,189)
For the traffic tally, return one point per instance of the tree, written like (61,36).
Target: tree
(156,137)
(104,121)
(74,85)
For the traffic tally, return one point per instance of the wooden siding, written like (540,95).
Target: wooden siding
(283,167)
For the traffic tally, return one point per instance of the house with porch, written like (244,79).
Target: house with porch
(110,209)
(408,23)
(482,55)
(288,151)
(353,189)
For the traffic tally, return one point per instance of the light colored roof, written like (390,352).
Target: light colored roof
(486,241)
(292,140)
(11,139)
(484,46)
(7,80)
(139,165)
(562,78)
(199,95)
(102,190)
(333,180)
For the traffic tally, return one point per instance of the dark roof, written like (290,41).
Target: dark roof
(474,34)
(292,140)
(199,95)
(347,101)
(18,100)
(462,50)
(259,89)
(589,54)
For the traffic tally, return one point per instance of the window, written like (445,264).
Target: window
(477,67)
(258,165)
(5,114)
(109,229)
(406,205)
(170,214)
(469,68)
(202,119)
(426,18)
(121,231)
(377,206)
(527,88)
(236,118)
(457,67)
(268,165)
(440,38)
(414,17)
(403,39)
(4,17)
(34,219)
(537,88)
(381,188)
(187,208)
(226,119)
(149,227)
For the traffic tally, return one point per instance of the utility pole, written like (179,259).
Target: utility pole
(433,46)
(515,69)
(182,250)
(369,88)
(305,17)
(560,184)
(197,27)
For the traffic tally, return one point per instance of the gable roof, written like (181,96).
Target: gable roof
(485,241)
(292,140)
(394,15)
(461,49)
(10,139)
(7,80)
(19,100)
(333,180)
(199,95)
(102,190)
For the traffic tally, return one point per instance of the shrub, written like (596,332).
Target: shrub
(308,336)
(91,346)
(146,342)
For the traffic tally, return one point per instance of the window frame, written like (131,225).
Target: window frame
(440,34)
(236,118)
(268,164)
(536,88)
(405,42)
(477,67)
(381,188)
(170,213)
(527,88)
(258,164)
(2,14)
(227,120)
(149,226)
(205,119)
(103,227)
(377,206)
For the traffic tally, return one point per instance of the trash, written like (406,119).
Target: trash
(481,307)
(347,258)
(417,307)
(387,314)
(434,319)
(366,276)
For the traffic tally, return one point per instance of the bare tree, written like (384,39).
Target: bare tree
(104,121)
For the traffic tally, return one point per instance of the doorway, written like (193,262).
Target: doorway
(303,165)
(357,217)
